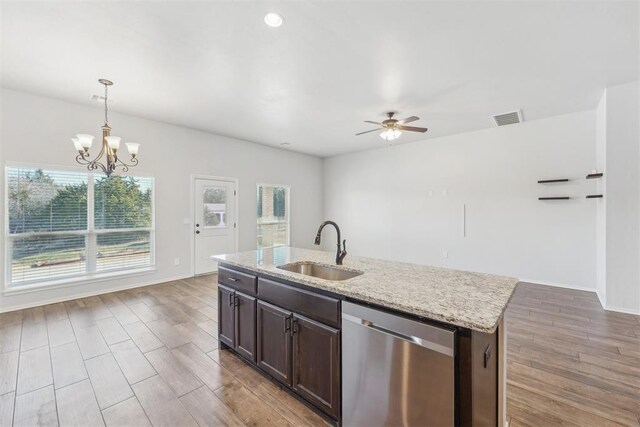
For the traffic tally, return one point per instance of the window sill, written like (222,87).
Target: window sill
(64,283)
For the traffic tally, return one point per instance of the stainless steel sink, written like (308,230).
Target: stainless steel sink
(321,271)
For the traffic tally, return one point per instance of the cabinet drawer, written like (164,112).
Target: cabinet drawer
(241,281)
(318,307)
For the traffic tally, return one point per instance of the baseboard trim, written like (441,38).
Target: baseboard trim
(558,285)
(622,310)
(602,299)
(92,294)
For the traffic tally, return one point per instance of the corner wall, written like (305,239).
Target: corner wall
(622,193)
(36,130)
(408,202)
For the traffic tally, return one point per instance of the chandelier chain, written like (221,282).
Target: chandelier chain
(106,107)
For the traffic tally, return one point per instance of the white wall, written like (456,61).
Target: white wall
(37,130)
(601,206)
(622,192)
(381,199)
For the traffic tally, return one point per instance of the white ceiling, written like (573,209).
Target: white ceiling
(216,66)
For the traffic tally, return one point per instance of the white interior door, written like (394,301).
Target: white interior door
(214,222)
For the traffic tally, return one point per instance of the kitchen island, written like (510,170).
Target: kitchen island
(300,331)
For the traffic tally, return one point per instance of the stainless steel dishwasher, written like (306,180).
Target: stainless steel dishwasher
(395,371)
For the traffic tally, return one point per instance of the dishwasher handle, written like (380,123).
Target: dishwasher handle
(446,350)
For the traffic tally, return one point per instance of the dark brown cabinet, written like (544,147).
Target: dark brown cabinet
(316,363)
(290,333)
(245,326)
(274,341)
(237,321)
(226,316)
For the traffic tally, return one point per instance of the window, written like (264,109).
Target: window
(273,216)
(68,224)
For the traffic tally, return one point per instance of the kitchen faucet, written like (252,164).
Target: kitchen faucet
(341,252)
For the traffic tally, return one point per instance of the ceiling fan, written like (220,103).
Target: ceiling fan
(391,128)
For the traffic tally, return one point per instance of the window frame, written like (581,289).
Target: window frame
(90,234)
(287,209)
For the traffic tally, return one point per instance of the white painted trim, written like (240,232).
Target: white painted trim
(558,285)
(192,213)
(90,294)
(76,281)
(622,310)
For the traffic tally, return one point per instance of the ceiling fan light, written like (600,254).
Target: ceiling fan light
(390,134)
(85,140)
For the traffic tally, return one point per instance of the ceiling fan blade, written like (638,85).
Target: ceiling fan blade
(375,123)
(412,128)
(408,120)
(367,131)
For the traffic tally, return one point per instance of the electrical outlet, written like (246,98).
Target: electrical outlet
(176,261)
(445,254)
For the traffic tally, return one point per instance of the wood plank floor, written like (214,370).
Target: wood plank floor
(569,362)
(149,356)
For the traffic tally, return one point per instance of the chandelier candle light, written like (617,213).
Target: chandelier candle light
(109,148)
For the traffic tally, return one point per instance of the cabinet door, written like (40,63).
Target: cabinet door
(274,341)
(246,326)
(226,316)
(316,363)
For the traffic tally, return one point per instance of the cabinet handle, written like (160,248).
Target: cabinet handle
(487,355)
(236,300)
(233,279)
(287,324)
(294,328)
(231,295)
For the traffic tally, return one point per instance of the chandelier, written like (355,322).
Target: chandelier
(109,147)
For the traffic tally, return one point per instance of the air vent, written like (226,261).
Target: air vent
(508,118)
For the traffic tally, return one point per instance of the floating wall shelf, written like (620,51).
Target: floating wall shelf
(594,196)
(554,198)
(549,181)
(594,175)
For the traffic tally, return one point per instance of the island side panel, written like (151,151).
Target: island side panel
(502,373)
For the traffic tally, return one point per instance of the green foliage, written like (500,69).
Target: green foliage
(38,202)
(121,203)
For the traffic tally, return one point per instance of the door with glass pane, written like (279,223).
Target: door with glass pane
(214,222)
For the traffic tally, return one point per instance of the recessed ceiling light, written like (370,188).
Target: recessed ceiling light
(273,19)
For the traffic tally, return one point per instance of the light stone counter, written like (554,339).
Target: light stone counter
(472,300)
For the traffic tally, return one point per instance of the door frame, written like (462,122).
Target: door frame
(192,212)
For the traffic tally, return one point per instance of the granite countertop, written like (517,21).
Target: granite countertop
(472,300)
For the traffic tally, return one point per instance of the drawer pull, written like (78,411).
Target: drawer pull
(487,355)
(233,279)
